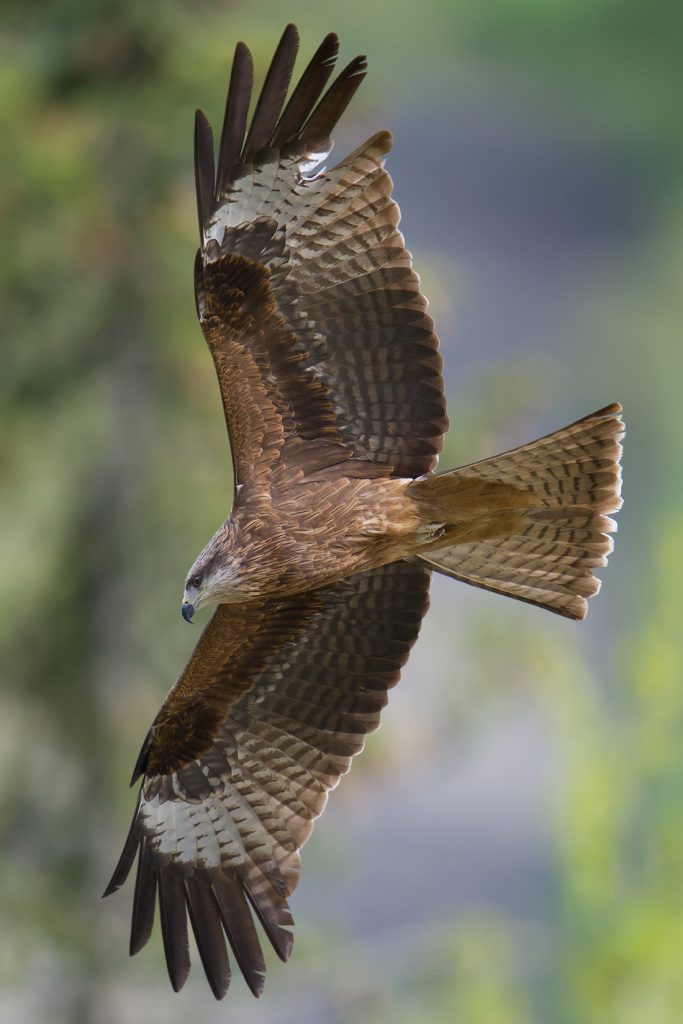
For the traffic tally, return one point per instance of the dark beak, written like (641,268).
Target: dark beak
(187,610)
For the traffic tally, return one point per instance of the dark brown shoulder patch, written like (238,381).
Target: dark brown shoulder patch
(232,652)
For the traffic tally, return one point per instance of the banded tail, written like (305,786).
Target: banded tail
(532,523)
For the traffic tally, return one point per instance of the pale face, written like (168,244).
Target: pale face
(213,577)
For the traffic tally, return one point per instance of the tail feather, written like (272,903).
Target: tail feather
(532,523)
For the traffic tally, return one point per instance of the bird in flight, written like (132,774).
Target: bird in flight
(330,379)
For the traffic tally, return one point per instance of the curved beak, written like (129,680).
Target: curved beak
(187,610)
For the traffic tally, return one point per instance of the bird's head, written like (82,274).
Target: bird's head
(212,579)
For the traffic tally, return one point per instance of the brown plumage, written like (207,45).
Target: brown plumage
(331,383)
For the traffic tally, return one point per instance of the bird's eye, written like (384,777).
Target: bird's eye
(196,581)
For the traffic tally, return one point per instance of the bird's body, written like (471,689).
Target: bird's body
(330,379)
(312,532)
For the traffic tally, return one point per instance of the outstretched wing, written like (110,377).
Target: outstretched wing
(274,703)
(305,292)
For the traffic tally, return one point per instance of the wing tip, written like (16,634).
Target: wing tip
(173,914)
(112,887)
(125,861)
(242,52)
(141,763)
(290,32)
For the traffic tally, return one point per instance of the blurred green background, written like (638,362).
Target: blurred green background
(529,770)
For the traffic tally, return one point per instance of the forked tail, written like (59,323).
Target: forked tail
(533,522)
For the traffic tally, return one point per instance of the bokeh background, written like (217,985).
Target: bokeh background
(509,848)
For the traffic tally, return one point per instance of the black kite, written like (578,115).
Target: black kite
(331,384)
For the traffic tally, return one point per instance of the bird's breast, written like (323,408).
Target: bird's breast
(315,534)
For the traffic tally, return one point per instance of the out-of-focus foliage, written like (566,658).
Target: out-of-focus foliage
(114,470)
